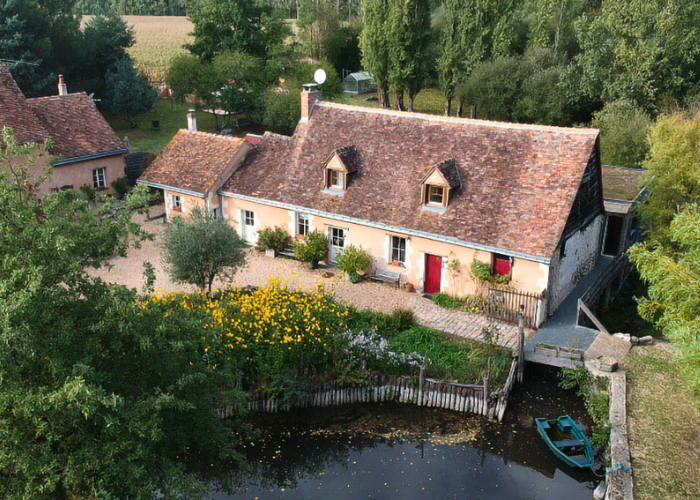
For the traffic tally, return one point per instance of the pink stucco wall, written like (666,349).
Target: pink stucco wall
(80,174)
(526,275)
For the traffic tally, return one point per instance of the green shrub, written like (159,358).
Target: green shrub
(594,392)
(275,239)
(451,359)
(313,249)
(353,260)
(482,273)
(474,304)
(121,187)
(447,301)
(387,325)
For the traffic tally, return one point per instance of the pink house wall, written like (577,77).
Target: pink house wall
(80,174)
(456,280)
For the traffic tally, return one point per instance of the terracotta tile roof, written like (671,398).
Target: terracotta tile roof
(620,183)
(72,122)
(76,126)
(451,172)
(193,161)
(348,155)
(16,113)
(519,181)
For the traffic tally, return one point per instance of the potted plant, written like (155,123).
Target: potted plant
(313,249)
(273,241)
(354,261)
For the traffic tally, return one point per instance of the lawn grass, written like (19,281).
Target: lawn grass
(172,117)
(663,426)
(430,101)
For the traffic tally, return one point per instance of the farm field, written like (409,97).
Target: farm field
(158,40)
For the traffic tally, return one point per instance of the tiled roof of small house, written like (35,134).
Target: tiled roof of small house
(72,121)
(621,183)
(193,161)
(450,171)
(16,113)
(76,126)
(519,181)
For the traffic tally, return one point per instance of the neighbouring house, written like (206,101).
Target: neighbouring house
(193,167)
(85,150)
(623,190)
(425,195)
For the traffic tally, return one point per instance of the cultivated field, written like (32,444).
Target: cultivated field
(158,40)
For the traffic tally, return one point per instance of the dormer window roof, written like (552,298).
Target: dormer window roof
(439,183)
(341,163)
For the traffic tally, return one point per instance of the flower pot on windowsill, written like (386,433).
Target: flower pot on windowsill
(299,237)
(270,252)
(396,263)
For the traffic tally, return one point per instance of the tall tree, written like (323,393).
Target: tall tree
(128,93)
(642,50)
(624,128)
(409,40)
(673,176)
(374,45)
(43,38)
(472,31)
(239,25)
(101,395)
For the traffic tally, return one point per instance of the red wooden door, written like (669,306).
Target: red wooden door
(433,273)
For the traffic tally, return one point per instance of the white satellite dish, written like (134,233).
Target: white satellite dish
(320,76)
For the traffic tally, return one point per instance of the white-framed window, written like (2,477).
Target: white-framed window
(248,217)
(99,178)
(177,202)
(303,226)
(436,195)
(338,237)
(335,179)
(215,213)
(398,250)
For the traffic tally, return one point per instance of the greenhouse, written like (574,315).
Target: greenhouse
(359,82)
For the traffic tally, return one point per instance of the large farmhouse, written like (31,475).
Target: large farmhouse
(425,195)
(85,150)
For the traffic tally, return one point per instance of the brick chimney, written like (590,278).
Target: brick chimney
(192,120)
(62,87)
(309,95)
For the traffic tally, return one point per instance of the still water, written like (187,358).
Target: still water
(401,451)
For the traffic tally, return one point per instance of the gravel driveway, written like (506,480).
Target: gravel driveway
(260,269)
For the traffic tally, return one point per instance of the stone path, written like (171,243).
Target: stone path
(261,269)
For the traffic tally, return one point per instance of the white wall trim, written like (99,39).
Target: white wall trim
(387,227)
(170,188)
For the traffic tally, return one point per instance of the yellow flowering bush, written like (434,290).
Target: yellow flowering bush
(274,331)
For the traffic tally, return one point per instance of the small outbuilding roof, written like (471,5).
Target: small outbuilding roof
(193,161)
(359,76)
(622,183)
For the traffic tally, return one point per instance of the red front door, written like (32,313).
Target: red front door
(433,273)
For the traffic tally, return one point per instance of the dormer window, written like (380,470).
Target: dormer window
(340,165)
(441,183)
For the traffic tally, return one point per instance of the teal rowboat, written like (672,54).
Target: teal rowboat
(567,440)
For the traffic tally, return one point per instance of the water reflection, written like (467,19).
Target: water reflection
(399,451)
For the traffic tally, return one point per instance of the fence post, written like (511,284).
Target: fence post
(487,389)
(521,344)
(421,383)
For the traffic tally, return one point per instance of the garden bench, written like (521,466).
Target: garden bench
(288,252)
(386,276)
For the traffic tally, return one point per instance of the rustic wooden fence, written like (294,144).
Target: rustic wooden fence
(506,305)
(476,399)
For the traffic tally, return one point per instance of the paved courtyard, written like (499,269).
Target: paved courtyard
(260,269)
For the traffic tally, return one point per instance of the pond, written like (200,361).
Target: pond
(402,451)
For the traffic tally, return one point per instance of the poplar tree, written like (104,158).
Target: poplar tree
(374,46)
(409,40)
(473,30)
